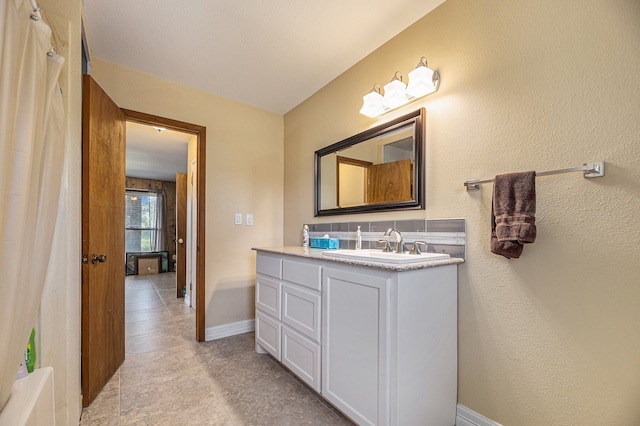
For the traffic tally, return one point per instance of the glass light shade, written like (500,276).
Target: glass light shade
(372,104)
(422,81)
(394,94)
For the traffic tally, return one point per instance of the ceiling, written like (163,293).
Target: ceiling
(156,155)
(269,54)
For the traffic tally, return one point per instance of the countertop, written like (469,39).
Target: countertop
(314,253)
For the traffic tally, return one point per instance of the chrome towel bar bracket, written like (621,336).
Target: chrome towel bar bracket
(591,170)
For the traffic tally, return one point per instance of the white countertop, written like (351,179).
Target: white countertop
(314,253)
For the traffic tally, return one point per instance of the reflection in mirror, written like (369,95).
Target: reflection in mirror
(377,170)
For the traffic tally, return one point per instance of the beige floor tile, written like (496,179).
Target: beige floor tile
(138,285)
(167,295)
(141,295)
(158,313)
(155,342)
(180,310)
(139,328)
(142,305)
(105,409)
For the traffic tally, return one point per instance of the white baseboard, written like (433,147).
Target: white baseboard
(467,417)
(226,330)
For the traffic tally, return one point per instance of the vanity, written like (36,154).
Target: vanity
(378,340)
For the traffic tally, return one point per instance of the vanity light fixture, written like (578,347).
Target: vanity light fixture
(395,92)
(372,103)
(422,81)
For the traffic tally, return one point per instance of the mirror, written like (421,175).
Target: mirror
(380,169)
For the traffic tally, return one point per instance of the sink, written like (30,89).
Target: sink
(380,256)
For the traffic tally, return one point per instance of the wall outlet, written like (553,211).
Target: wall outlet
(238,219)
(249,220)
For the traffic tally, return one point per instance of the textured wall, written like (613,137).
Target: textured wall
(553,337)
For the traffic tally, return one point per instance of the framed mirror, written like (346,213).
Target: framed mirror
(380,169)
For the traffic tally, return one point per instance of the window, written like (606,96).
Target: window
(144,218)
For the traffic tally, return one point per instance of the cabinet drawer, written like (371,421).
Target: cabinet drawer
(268,264)
(306,274)
(302,356)
(301,310)
(268,333)
(268,296)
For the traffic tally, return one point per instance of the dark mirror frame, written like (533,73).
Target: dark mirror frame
(416,117)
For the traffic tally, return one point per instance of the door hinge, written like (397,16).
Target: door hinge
(190,286)
(85,259)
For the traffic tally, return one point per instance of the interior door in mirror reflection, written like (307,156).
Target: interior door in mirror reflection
(390,182)
(352,181)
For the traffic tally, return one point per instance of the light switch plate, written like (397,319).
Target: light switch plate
(238,219)
(249,219)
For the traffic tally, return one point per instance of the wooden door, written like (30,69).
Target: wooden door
(181,232)
(103,186)
(389,182)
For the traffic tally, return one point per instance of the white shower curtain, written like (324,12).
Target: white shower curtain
(158,239)
(32,149)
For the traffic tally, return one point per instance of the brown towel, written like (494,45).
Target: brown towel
(513,209)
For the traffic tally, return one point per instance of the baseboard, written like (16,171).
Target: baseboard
(226,330)
(467,417)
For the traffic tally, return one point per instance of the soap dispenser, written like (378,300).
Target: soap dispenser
(358,239)
(305,236)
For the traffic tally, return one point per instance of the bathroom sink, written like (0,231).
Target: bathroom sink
(380,256)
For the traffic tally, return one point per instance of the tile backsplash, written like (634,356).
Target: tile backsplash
(441,235)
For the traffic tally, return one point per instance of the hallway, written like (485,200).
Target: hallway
(168,378)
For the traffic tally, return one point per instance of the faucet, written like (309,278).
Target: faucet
(399,243)
(415,249)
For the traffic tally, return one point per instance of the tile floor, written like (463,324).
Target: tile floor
(170,379)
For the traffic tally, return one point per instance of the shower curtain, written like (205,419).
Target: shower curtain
(32,151)
(158,239)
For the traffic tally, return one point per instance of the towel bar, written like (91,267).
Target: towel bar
(591,170)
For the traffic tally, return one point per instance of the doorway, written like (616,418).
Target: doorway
(198,216)
(103,233)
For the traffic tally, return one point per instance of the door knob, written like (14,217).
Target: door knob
(180,241)
(95,258)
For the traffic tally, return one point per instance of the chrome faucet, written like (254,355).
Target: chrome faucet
(399,243)
(415,249)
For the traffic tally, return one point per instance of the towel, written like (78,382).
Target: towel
(513,209)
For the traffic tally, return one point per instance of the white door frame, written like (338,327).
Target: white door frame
(192,232)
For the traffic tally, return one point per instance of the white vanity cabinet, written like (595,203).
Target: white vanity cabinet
(288,313)
(378,344)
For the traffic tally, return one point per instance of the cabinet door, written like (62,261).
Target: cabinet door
(268,334)
(301,310)
(268,296)
(302,356)
(355,344)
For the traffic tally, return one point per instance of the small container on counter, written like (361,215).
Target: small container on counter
(305,236)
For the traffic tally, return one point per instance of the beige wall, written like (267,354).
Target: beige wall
(553,337)
(244,174)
